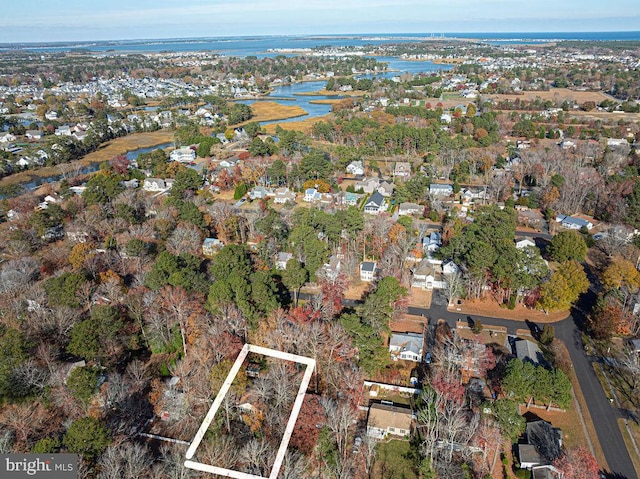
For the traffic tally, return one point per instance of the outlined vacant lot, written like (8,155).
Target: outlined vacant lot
(282,449)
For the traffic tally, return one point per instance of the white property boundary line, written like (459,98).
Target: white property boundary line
(282,450)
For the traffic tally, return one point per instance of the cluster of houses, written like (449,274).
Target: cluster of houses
(538,448)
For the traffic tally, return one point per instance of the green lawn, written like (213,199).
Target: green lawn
(392,461)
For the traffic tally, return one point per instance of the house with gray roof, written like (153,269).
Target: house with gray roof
(573,223)
(407,346)
(367,271)
(424,275)
(526,350)
(376,204)
(542,447)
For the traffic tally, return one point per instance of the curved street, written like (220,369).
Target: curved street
(604,415)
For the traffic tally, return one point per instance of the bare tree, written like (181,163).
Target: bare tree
(124,460)
(186,238)
(257,456)
(340,420)
(454,285)
(614,239)
(19,273)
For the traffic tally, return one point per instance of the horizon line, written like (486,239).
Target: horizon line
(328,35)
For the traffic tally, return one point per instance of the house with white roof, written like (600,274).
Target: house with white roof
(524,243)
(406,209)
(154,184)
(449,267)
(33,134)
(282,258)
(437,189)
(355,168)
(183,155)
(402,169)
(283,195)
(7,137)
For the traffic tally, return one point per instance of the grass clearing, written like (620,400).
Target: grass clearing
(392,461)
(272,111)
(304,126)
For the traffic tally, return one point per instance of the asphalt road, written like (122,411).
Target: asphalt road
(604,415)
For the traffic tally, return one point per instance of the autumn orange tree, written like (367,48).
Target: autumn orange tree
(621,277)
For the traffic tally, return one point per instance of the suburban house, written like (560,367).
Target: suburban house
(283,196)
(409,209)
(402,169)
(367,271)
(260,192)
(573,223)
(526,350)
(24,162)
(228,163)
(385,188)
(282,258)
(436,189)
(368,185)
(384,419)
(376,204)
(406,346)
(424,275)
(469,195)
(432,242)
(347,198)
(183,155)
(33,134)
(449,267)
(524,243)
(63,130)
(311,195)
(332,268)
(7,137)
(355,168)
(154,184)
(210,246)
(543,445)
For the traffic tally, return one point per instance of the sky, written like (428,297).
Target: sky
(79,20)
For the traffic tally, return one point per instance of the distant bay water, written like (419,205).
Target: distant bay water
(259,45)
